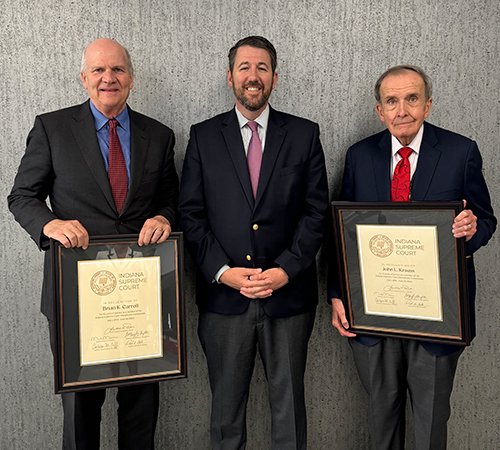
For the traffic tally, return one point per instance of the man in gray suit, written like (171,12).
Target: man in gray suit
(69,159)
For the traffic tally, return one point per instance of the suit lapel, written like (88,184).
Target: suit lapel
(85,135)
(274,140)
(139,145)
(234,144)
(382,168)
(426,166)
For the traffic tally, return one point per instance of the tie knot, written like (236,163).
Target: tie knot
(405,152)
(112,123)
(253,126)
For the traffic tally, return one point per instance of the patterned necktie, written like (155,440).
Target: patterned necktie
(254,156)
(400,186)
(117,169)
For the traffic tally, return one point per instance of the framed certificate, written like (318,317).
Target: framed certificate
(118,313)
(401,271)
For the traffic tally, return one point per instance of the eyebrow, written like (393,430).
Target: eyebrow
(390,97)
(101,66)
(262,63)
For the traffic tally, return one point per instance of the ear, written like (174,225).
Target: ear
(229,78)
(84,80)
(380,112)
(131,81)
(428,105)
(275,79)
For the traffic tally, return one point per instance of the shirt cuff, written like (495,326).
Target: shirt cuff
(219,273)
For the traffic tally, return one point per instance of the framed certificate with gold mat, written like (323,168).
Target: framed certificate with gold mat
(401,271)
(118,313)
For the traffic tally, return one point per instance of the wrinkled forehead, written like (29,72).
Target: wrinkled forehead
(407,82)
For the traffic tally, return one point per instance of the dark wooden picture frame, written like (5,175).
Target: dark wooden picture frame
(69,374)
(452,276)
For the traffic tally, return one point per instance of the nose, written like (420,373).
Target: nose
(253,74)
(402,109)
(108,76)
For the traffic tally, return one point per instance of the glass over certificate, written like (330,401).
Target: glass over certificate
(120,310)
(118,313)
(401,272)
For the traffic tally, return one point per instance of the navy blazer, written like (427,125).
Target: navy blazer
(448,169)
(282,227)
(63,162)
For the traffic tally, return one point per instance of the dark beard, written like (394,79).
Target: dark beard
(252,106)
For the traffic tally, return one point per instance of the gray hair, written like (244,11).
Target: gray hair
(404,68)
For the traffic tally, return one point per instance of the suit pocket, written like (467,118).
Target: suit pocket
(150,176)
(285,171)
(444,196)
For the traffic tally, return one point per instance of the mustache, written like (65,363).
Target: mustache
(254,84)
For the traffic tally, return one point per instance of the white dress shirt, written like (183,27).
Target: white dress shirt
(413,158)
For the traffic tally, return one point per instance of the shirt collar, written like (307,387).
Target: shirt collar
(262,120)
(100,119)
(414,145)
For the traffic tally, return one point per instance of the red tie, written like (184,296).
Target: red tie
(400,186)
(254,156)
(117,170)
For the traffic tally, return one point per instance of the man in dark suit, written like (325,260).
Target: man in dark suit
(252,206)
(443,166)
(69,158)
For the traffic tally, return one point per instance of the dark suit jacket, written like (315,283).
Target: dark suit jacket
(448,169)
(282,227)
(63,162)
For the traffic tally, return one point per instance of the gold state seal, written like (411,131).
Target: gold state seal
(103,282)
(381,246)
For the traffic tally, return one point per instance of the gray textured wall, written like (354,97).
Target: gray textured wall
(330,53)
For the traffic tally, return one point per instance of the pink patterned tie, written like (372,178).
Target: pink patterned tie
(117,169)
(254,156)
(400,186)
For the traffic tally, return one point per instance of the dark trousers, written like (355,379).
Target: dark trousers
(230,343)
(137,415)
(390,369)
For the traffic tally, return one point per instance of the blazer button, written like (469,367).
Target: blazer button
(255,227)
(249,258)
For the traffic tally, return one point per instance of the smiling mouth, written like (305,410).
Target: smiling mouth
(253,88)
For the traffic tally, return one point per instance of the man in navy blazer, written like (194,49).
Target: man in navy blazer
(444,167)
(66,160)
(255,247)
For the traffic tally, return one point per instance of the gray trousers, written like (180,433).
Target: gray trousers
(230,343)
(390,369)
